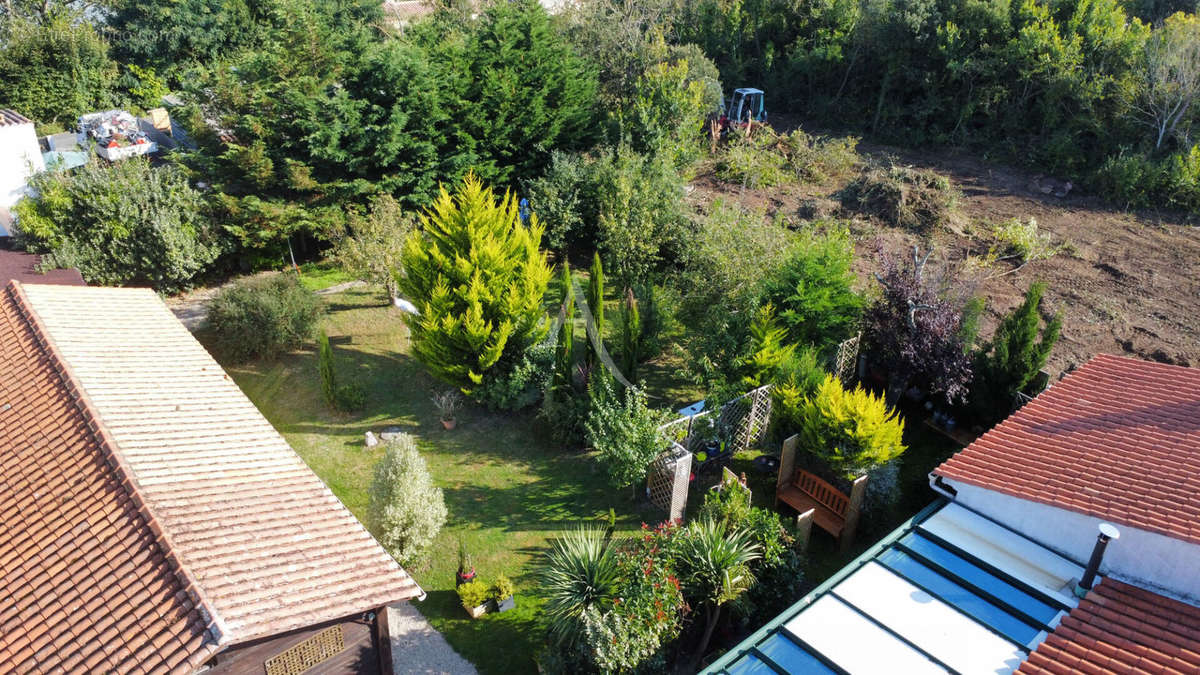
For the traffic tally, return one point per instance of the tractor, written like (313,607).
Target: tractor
(744,108)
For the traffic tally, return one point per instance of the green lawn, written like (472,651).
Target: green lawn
(508,487)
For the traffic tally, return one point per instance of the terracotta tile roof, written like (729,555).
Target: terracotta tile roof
(270,546)
(1118,439)
(23,267)
(88,581)
(1120,628)
(12,117)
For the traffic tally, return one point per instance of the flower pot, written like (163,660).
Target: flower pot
(448,424)
(506,604)
(463,577)
(476,612)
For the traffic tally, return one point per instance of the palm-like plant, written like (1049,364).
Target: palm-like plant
(716,566)
(580,571)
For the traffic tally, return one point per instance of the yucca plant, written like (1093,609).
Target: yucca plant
(715,560)
(580,571)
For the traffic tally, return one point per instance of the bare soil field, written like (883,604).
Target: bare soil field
(1125,282)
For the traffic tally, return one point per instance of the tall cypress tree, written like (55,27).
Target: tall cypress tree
(595,300)
(564,354)
(478,278)
(1008,363)
(631,336)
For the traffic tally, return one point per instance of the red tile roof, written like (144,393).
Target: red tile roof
(88,581)
(1120,628)
(1118,439)
(23,267)
(268,544)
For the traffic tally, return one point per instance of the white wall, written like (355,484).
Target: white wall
(20,157)
(1154,561)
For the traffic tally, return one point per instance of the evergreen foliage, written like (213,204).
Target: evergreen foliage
(767,352)
(1014,356)
(851,430)
(122,223)
(405,511)
(325,367)
(478,278)
(630,335)
(595,299)
(262,317)
(564,355)
(813,289)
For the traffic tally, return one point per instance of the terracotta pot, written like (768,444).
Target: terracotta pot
(449,424)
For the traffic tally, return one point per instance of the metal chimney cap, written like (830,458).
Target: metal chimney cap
(1110,531)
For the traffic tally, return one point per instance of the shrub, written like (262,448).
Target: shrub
(624,431)
(405,510)
(502,588)
(478,278)
(344,397)
(1023,240)
(798,378)
(767,352)
(562,201)
(261,317)
(473,594)
(373,244)
(519,384)
(665,113)
(55,70)
(630,335)
(752,160)
(916,199)
(1011,360)
(813,289)
(915,329)
(852,431)
(123,223)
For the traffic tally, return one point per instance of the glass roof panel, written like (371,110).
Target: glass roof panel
(791,657)
(854,643)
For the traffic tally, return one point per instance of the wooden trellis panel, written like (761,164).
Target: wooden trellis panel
(320,647)
(748,416)
(668,480)
(847,360)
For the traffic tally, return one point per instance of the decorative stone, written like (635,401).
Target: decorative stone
(371,440)
(390,433)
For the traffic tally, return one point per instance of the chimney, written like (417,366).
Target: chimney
(1107,533)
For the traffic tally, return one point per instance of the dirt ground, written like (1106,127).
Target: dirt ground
(1126,282)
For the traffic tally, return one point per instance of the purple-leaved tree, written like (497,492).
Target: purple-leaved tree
(915,329)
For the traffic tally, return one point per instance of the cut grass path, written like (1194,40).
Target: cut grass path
(508,487)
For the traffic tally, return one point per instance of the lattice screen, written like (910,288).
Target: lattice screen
(295,660)
(847,360)
(668,480)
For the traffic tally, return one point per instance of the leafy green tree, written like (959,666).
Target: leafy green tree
(124,223)
(624,431)
(405,511)
(715,562)
(56,70)
(851,430)
(372,247)
(813,289)
(1014,356)
(478,278)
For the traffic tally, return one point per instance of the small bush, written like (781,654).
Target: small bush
(346,397)
(262,317)
(753,160)
(1023,240)
(813,289)
(916,199)
(405,511)
(518,385)
(502,588)
(350,397)
(473,594)
(624,430)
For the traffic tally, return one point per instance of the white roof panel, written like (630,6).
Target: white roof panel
(949,635)
(838,632)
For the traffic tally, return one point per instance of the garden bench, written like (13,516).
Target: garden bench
(818,502)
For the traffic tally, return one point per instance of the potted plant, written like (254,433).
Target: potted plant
(466,571)
(503,593)
(447,403)
(474,597)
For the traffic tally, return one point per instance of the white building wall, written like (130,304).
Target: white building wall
(1148,559)
(20,158)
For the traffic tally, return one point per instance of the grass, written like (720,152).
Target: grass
(316,276)
(508,488)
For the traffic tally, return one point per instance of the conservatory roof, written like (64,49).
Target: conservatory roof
(947,592)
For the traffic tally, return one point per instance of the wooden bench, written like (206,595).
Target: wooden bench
(818,502)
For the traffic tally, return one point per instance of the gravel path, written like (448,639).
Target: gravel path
(419,649)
